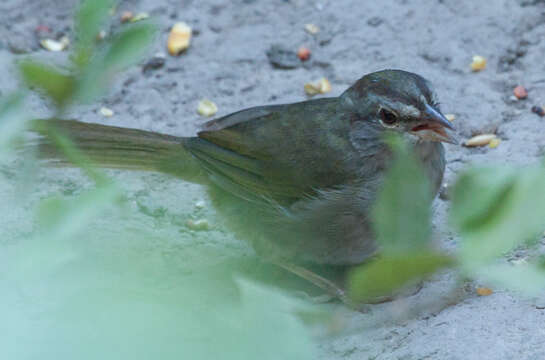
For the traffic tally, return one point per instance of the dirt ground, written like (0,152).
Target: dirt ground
(227,63)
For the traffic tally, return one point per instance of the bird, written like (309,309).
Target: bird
(297,181)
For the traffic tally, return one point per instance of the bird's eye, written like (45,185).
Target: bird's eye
(387,117)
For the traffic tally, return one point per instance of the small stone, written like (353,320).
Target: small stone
(303,53)
(156,62)
(539,110)
(483,291)
(478,63)
(54,45)
(106,112)
(198,225)
(207,108)
(179,38)
(375,21)
(126,16)
(322,86)
(520,92)
(450,117)
(312,29)
(283,58)
(480,140)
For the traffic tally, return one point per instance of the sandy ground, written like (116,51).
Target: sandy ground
(227,63)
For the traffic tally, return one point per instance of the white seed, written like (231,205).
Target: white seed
(480,140)
(450,117)
(106,112)
(207,108)
(200,204)
(312,29)
(139,17)
(478,63)
(179,38)
(199,224)
(54,45)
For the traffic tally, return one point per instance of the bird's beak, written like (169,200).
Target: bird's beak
(435,127)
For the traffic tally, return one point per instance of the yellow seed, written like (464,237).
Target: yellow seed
(494,143)
(322,86)
(207,108)
(483,291)
(478,63)
(450,117)
(480,140)
(179,38)
(312,29)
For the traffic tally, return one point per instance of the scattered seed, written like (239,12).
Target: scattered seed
(207,108)
(478,63)
(126,16)
(106,112)
(312,29)
(539,110)
(139,17)
(483,291)
(480,140)
(54,45)
(303,53)
(520,92)
(494,143)
(197,225)
(322,86)
(200,204)
(450,117)
(179,38)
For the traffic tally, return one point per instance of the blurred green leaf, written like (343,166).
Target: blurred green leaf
(123,50)
(12,119)
(496,209)
(402,212)
(390,272)
(48,79)
(91,16)
(63,218)
(528,279)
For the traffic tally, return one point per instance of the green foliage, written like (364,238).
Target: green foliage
(388,273)
(48,79)
(401,215)
(401,219)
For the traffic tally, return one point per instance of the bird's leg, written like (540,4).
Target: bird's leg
(327,285)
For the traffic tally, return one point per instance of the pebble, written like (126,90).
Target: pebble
(126,16)
(444,192)
(156,62)
(539,110)
(283,58)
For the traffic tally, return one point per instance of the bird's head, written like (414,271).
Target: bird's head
(400,101)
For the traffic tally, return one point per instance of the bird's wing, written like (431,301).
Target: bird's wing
(280,152)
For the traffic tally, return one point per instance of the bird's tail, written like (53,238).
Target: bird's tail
(116,147)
